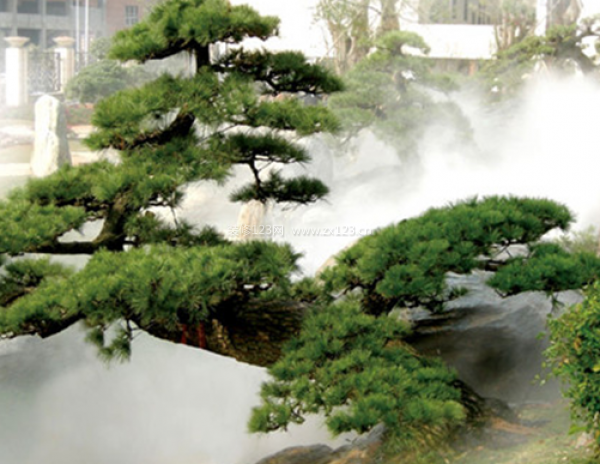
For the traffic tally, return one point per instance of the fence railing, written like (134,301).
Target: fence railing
(44,72)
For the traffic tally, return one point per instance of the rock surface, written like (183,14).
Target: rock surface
(363,450)
(51,148)
(494,343)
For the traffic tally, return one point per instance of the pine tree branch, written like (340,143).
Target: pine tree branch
(69,248)
(181,126)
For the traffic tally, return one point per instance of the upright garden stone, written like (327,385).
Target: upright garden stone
(51,148)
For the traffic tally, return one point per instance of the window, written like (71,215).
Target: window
(132,15)
(56,8)
(457,12)
(27,7)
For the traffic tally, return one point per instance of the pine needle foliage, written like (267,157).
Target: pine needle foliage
(405,265)
(353,368)
(147,267)
(155,285)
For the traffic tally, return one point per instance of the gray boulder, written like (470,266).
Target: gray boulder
(363,450)
(496,344)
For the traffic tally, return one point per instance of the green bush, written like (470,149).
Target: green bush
(79,114)
(97,81)
(575,354)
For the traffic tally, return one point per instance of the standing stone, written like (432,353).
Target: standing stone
(251,222)
(51,148)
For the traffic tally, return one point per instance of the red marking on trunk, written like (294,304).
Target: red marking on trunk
(201,335)
(184,334)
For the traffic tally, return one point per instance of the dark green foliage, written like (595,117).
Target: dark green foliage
(390,92)
(174,26)
(97,81)
(406,264)
(157,285)
(25,275)
(575,355)
(283,72)
(148,268)
(25,226)
(547,268)
(353,368)
(300,190)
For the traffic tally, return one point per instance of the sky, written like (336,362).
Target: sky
(298,30)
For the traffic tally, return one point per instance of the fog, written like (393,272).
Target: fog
(173,404)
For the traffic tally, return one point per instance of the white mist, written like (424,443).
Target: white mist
(172,404)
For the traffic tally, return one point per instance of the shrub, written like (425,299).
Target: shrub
(575,354)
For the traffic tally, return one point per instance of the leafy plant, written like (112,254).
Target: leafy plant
(574,353)
(147,269)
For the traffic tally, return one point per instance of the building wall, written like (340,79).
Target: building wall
(457,41)
(121,14)
(42,20)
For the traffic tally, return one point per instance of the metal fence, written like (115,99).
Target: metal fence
(44,72)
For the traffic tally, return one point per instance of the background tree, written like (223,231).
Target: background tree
(562,49)
(513,20)
(389,92)
(353,26)
(348,24)
(104,76)
(389,81)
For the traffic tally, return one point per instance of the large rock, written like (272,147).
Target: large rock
(494,343)
(51,148)
(363,450)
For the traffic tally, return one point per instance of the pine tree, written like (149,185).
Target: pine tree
(350,362)
(241,108)
(145,272)
(390,93)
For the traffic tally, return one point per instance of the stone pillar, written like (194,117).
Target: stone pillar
(17,93)
(64,47)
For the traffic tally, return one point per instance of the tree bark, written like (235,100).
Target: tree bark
(253,334)
(389,17)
